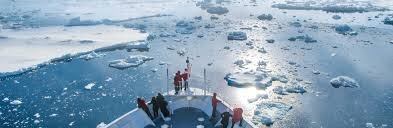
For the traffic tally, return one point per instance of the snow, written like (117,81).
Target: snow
(268,112)
(330,6)
(344,81)
(265,17)
(89,86)
(28,49)
(131,61)
(237,36)
(217,10)
(16,102)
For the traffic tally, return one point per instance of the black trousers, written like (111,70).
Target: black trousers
(240,124)
(185,85)
(214,112)
(224,125)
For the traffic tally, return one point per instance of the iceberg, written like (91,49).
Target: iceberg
(131,61)
(344,81)
(237,36)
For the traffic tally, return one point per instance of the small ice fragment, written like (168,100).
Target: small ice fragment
(16,102)
(71,124)
(336,17)
(217,10)
(131,61)
(316,72)
(270,40)
(108,79)
(89,86)
(265,17)
(333,54)
(295,89)
(37,115)
(36,121)
(344,81)
(237,36)
(369,125)
(6,99)
(16,82)
(53,115)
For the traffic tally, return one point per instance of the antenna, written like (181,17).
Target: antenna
(204,81)
(167,80)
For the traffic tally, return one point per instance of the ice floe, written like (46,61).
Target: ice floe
(345,30)
(388,20)
(306,39)
(185,27)
(40,52)
(344,81)
(336,17)
(217,10)
(265,17)
(331,6)
(131,61)
(268,112)
(78,22)
(16,102)
(91,55)
(257,97)
(89,86)
(237,36)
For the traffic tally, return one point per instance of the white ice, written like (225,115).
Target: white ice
(268,112)
(27,48)
(16,102)
(89,86)
(131,61)
(344,81)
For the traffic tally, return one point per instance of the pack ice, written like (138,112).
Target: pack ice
(268,112)
(131,61)
(344,81)
(330,6)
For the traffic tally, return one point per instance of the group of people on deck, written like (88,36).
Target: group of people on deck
(158,102)
(181,79)
(236,117)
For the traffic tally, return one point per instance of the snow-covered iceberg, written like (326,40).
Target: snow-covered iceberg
(131,61)
(344,81)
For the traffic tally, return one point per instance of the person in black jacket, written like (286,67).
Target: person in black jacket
(225,119)
(162,105)
(155,105)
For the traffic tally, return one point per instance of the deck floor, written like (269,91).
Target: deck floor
(187,118)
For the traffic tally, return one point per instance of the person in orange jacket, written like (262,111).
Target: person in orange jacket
(185,77)
(237,116)
(215,101)
(143,106)
(177,82)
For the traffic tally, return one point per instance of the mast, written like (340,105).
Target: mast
(204,81)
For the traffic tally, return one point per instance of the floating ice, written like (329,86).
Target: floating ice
(217,10)
(16,102)
(131,61)
(344,81)
(36,121)
(237,36)
(369,125)
(306,39)
(279,90)
(108,79)
(184,27)
(91,55)
(257,97)
(37,115)
(89,86)
(265,17)
(269,112)
(344,6)
(6,99)
(344,29)
(336,17)
(295,24)
(270,41)
(388,20)
(295,89)
(53,115)
(245,80)
(78,22)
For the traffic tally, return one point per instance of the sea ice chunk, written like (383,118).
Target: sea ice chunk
(131,61)
(89,86)
(237,36)
(101,125)
(91,55)
(184,27)
(16,102)
(344,81)
(345,30)
(265,17)
(268,112)
(388,20)
(217,10)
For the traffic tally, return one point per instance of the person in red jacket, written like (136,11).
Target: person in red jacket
(177,82)
(237,116)
(143,106)
(185,77)
(215,101)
